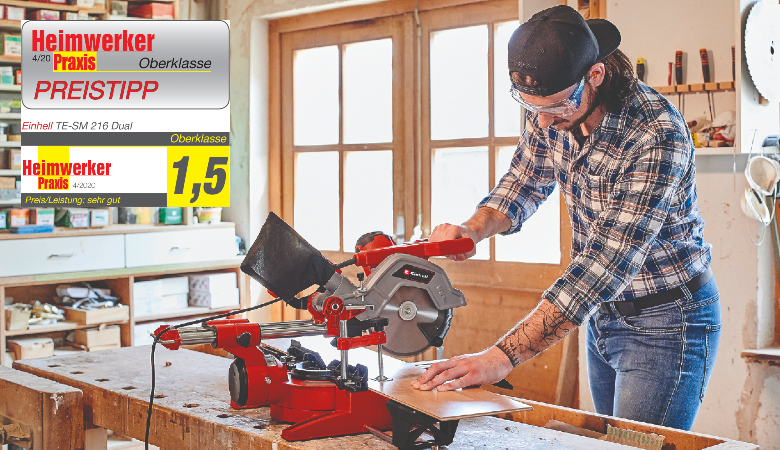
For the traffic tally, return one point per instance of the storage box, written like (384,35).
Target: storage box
(172,302)
(8,359)
(17,318)
(15,13)
(119,8)
(151,11)
(17,217)
(217,299)
(97,316)
(82,3)
(43,14)
(11,44)
(153,288)
(72,218)
(59,2)
(7,183)
(14,156)
(95,337)
(99,217)
(213,282)
(3,223)
(136,215)
(7,76)
(175,285)
(42,216)
(31,348)
(67,15)
(170,216)
(146,306)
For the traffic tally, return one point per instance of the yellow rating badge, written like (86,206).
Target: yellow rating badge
(199,176)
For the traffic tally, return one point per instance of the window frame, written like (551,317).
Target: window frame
(434,15)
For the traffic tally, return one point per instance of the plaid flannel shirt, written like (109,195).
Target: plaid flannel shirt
(631,196)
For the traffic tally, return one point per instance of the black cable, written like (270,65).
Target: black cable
(157,339)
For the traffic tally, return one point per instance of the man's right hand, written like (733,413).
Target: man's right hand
(447,231)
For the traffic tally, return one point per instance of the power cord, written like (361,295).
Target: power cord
(157,338)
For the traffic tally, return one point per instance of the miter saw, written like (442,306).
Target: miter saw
(403,305)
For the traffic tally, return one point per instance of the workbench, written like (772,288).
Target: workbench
(192,407)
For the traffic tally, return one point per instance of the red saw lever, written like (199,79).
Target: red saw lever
(421,249)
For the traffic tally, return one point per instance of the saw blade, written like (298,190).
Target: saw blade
(408,308)
(762,48)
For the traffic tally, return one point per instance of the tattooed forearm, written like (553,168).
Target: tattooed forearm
(542,328)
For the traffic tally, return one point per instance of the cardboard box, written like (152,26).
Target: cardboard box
(96,337)
(119,8)
(82,3)
(146,306)
(72,217)
(153,288)
(151,11)
(14,156)
(99,217)
(170,216)
(31,348)
(2,12)
(7,183)
(17,217)
(67,15)
(15,13)
(218,299)
(42,216)
(17,318)
(173,302)
(97,316)
(43,14)
(175,285)
(11,44)
(7,77)
(136,215)
(213,282)
(58,2)
(8,359)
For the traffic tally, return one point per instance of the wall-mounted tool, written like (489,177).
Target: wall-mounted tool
(733,65)
(670,74)
(640,69)
(705,71)
(678,75)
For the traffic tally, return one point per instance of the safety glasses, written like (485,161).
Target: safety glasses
(560,108)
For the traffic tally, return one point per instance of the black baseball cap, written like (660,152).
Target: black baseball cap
(556,47)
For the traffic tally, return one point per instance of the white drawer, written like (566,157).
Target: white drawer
(177,247)
(61,254)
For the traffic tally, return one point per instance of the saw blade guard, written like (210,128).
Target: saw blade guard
(283,262)
(416,297)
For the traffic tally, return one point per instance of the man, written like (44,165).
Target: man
(639,274)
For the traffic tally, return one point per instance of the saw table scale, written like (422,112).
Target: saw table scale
(193,408)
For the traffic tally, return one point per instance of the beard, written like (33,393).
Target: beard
(569,125)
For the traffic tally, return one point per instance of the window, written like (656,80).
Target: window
(366,125)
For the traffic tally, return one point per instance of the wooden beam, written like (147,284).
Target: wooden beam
(54,412)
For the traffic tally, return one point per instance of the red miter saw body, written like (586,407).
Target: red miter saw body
(405,306)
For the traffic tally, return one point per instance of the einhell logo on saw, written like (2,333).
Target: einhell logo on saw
(409,272)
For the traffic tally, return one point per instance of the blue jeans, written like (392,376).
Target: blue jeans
(654,367)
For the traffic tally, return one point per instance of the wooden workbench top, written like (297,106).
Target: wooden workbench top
(194,409)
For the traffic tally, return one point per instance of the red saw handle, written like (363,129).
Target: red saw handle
(421,249)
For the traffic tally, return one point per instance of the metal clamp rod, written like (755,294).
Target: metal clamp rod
(344,361)
(301,328)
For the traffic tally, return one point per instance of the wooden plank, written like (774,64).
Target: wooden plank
(450,405)
(120,401)
(119,273)
(113,229)
(54,412)
(677,439)
(767,355)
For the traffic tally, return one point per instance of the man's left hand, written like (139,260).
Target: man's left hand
(486,367)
